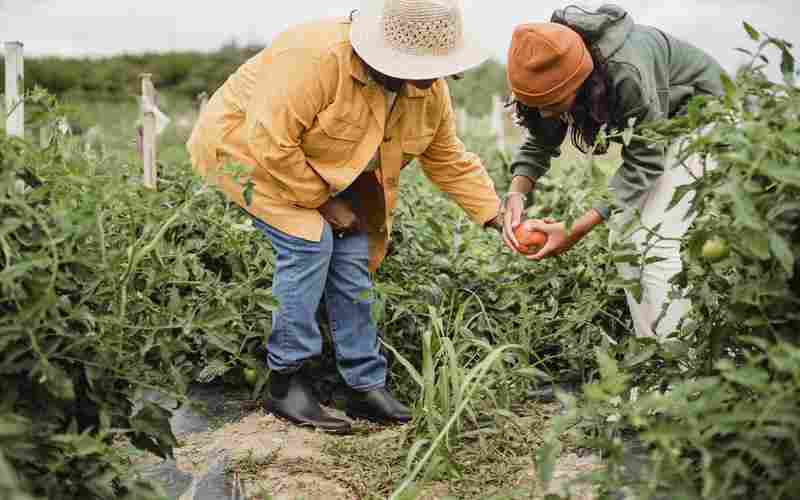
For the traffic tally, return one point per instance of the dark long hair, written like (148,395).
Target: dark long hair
(593,103)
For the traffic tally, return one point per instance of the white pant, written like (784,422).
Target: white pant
(649,318)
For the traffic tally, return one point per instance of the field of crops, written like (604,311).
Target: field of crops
(111,293)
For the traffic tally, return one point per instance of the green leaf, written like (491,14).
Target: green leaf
(749,376)
(642,356)
(782,251)
(415,450)
(247,192)
(415,375)
(534,373)
(756,245)
(546,457)
(57,382)
(787,66)
(153,431)
(730,88)
(678,195)
(744,209)
(782,172)
(754,35)
(627,135)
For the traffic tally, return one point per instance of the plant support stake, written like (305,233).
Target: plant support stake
(462,120)
(498,126)
(202,99)
(149,131)
(15,85)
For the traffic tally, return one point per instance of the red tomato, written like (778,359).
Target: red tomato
(530,241)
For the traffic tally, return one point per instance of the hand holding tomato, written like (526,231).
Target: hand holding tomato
(557,239)
(529,240)
(512,218)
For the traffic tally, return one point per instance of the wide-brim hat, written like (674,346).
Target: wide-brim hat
(415,39)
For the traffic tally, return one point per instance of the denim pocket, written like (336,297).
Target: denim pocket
(286,243)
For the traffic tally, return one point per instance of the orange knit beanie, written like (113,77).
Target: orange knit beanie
(547,62)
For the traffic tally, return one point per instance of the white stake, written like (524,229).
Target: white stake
(149,131)
(202,97)
(15,87)
(461,120)
(498,125)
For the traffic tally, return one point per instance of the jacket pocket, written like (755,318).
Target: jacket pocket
(332,138)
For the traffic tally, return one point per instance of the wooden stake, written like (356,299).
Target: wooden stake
(149,131)
(44,135)
(202,98)
(15,87)
(498,125)
(462,120)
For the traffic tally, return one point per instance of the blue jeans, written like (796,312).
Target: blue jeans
(335,269)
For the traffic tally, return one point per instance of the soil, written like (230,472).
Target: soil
(247,454)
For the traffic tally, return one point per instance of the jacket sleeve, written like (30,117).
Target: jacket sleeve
(543,143)
(642,162)
(290,92)
(458,173)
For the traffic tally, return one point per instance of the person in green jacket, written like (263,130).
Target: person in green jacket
(586,70)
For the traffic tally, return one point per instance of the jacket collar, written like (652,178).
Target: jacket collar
(376,98)
(359,72)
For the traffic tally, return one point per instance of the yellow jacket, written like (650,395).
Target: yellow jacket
(305,117)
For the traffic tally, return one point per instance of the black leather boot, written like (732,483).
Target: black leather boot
(290,396)
(547,393)
(377,406)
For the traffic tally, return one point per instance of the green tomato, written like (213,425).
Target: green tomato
(250,376)
(715,249)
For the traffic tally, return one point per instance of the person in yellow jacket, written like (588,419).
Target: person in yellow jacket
(324,119)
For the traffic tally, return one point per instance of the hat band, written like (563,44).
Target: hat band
(435,37)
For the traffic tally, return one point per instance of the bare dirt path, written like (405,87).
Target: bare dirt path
(235,451)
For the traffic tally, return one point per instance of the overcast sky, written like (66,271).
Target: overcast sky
(98,27)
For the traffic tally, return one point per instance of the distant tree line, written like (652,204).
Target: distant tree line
(190,73)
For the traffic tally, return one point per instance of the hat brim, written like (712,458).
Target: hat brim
(366,36)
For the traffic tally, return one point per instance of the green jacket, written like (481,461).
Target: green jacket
(653,76)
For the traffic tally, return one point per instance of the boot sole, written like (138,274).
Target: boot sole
(306,425)
(374,420)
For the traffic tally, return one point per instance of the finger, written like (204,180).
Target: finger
(510,223)
(355,224)
(510,244)
(359,225)
(511,240)
(546,251)
(336,224)
(540,225)
(516,213)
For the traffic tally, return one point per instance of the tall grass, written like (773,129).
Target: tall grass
(464,382)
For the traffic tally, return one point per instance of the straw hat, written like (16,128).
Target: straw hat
(414,39)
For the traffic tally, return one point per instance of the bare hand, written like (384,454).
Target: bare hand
(515,205)
(340,215)
(558,239)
